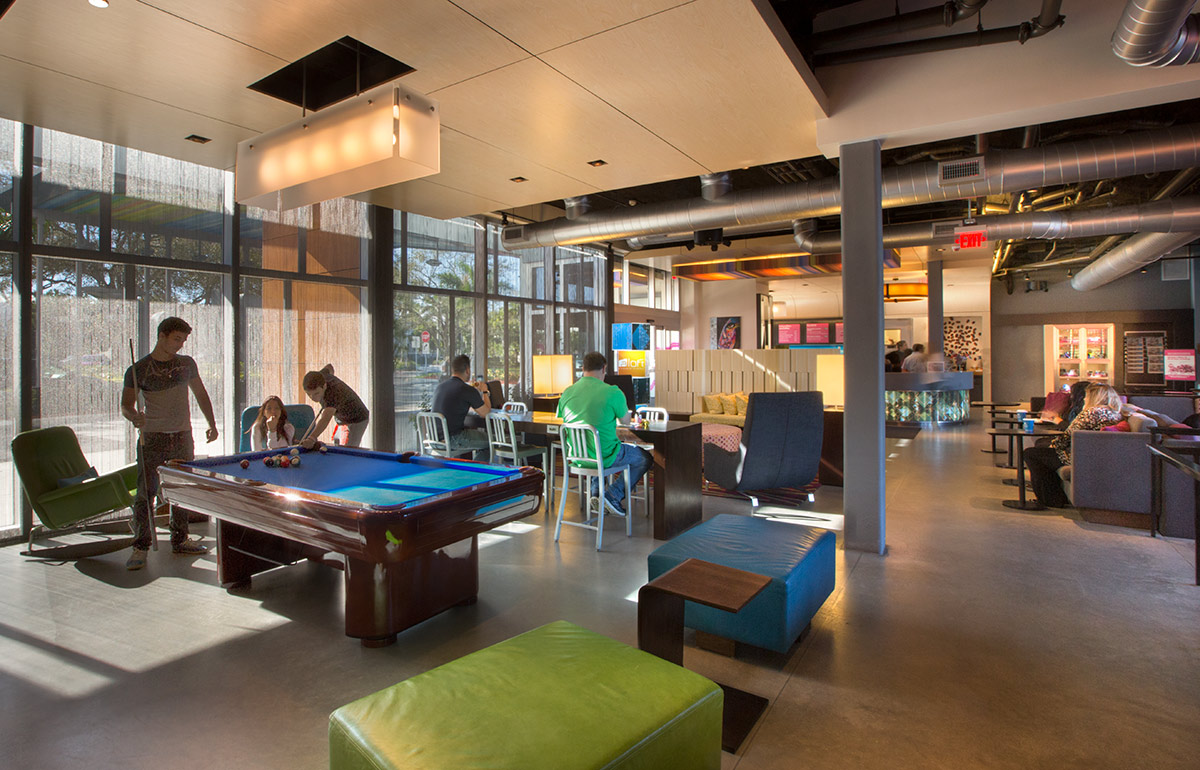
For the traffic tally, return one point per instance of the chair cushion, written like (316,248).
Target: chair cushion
(71,481)
(558,696)
(798,559)
(712,404)
(728,405)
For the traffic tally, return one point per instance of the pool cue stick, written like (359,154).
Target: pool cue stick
(311,425)
(142,453)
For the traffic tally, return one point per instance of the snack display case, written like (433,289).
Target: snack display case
(1083,352)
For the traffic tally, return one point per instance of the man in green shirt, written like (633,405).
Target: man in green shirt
(590,400)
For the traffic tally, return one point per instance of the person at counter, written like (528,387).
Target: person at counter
(916,361)
(893,360)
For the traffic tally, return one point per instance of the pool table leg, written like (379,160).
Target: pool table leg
(243,552)
(384,599)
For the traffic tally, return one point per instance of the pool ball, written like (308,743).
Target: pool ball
(324,449)
(295,451)
(245,464)
(285,462)
(267,461)
(295,462)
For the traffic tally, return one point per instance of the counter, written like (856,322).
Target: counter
(928,397)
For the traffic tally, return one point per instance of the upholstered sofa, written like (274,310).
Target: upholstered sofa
(1110,470)
(706,408)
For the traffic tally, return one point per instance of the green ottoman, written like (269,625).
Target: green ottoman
(558,697)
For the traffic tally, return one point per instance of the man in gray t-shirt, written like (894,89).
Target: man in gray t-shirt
(163,380)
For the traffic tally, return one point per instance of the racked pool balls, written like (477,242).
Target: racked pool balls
(245,464)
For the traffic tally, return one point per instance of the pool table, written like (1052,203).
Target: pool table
(404,524)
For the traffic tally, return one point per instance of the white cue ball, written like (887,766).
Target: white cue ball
(295,452)
(324,450)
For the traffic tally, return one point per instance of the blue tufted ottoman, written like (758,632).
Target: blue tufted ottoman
(799,560)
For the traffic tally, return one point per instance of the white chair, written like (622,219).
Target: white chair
(434,435)
(581,457)
(514,407)
(653,413)
(502,440)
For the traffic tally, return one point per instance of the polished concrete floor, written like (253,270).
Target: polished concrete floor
(986,637)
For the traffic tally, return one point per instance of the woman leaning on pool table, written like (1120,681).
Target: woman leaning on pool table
(339,403)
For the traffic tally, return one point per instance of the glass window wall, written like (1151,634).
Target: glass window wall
(9,490)
(167,208)
(70,176)
(9,144)
(441,253)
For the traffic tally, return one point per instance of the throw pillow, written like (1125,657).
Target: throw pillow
(1182,438)
(728,405)
(71,481)
(1139,423)
(742,401)
(712,404)
(1122,427)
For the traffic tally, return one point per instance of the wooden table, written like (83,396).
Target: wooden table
(678,481)
(1019,436)
(660,627)
(994,450)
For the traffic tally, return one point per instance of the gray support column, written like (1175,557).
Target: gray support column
(936,342)
(862,290)
(381,296)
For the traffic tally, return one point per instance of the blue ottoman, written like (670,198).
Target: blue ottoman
(799,560)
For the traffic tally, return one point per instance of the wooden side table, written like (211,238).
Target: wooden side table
(660,627)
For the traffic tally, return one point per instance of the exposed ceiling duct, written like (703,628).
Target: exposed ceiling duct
(994,173)
(944,15)
(1157,33)
(1137,252)
(1177,215)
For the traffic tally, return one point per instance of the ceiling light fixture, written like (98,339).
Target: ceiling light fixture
(98,3)
(382,137)
(905,292)
(518,179)
(597,163)
(197,139)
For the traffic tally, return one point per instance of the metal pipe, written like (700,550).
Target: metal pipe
(1178,182)
(1043,23)
(576,207)
(943,15)
(714,186)
(1157,33)
(1134,253)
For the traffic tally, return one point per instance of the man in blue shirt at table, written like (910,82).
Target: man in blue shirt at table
(590,400)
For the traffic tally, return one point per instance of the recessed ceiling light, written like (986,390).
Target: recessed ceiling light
(197,139)
(518,179)
(597,163)
(98,3)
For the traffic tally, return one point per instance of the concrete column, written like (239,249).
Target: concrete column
(862,291)
(936,343)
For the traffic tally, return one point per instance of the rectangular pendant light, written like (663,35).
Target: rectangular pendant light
(384,136)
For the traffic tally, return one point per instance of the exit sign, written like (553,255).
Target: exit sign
(967,238)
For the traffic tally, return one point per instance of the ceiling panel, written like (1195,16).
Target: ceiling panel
(481,175)
(134,48)
(709,77)
(428,198)
(557,23)
(533,112)
(442,41)
(68,104)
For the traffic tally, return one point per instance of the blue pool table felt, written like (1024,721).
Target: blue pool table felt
(361,476)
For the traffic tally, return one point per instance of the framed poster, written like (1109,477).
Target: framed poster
(725,332)
(1180,364)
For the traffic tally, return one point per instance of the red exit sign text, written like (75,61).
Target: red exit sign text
(971,239)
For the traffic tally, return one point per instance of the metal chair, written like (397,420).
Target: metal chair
(581,457)
(434,436)
(504,445)
(514,407)
(653,413)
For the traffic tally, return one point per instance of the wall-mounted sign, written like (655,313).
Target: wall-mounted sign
(839,333)
(1180,364)
(789,334)
(815,334)
(632,362)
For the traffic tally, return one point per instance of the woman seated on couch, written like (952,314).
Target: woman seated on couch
(1101,408)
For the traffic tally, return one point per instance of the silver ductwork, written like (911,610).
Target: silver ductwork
(1138,251)
(714,186)
(1157,33)
(991,174)
(1177,215)
(576,207)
